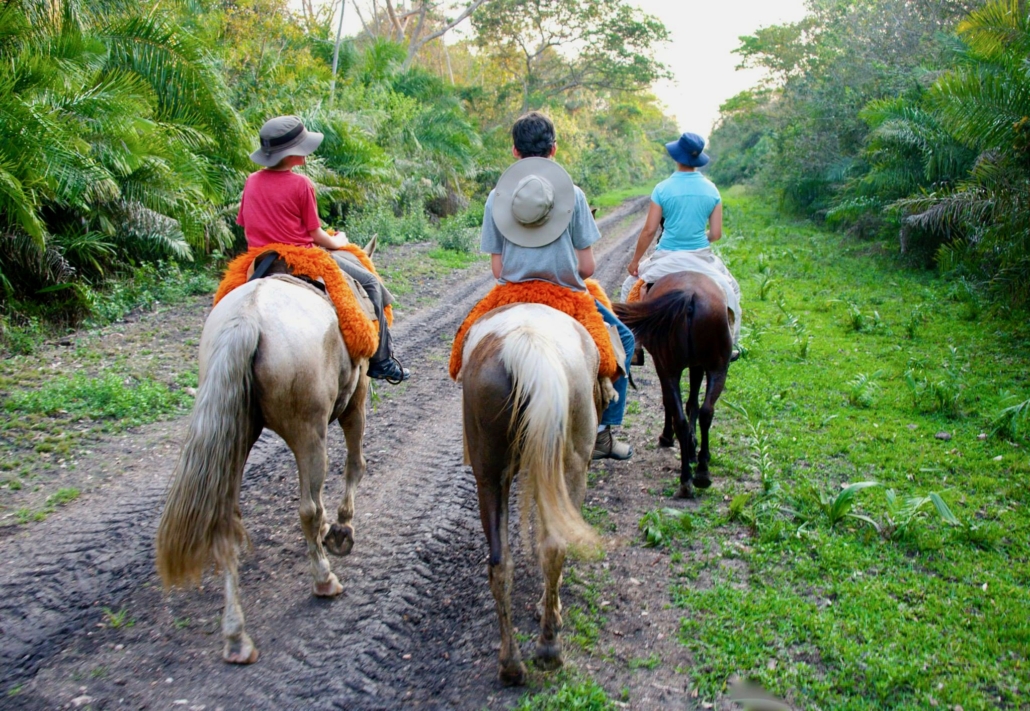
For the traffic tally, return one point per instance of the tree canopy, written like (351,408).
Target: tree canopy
(125,128)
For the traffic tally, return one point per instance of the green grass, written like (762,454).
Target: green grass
(455,259)
(118,620)
(107,396)
(836,608)
(569,694)
(613,198)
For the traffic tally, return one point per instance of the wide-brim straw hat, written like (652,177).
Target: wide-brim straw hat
(284,136)
(533,202)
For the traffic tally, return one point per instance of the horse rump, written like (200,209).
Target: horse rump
(653,321)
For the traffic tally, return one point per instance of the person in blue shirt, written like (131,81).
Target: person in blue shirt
(689,208)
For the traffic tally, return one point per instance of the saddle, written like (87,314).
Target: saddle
(358,325)
(577,304)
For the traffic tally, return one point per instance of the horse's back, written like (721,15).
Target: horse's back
(710,293)
(572,343)
(301,361)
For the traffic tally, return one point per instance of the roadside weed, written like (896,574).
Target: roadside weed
(663,526)
(838,508)
(864,390)
(108,396)
(903,512)
(118,620)
(650,662)
(62,497)
(1013,421)
(570,695)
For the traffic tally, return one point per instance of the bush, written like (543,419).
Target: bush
(455,236)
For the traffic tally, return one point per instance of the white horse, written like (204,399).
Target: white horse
(271,355)
(531,401)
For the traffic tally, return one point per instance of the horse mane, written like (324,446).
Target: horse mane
(654,321)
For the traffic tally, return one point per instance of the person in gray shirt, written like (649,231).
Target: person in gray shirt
(534,200)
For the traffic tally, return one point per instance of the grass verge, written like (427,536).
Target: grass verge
(856,370)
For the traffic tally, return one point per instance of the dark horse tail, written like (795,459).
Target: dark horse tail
(655,321)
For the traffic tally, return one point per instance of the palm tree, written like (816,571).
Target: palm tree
(116,140)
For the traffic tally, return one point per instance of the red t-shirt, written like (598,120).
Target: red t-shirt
(278,207)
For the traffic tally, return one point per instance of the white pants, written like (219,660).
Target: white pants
(703,261)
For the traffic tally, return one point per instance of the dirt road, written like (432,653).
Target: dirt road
(83,621)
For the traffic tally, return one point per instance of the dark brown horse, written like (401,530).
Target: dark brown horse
(683,323)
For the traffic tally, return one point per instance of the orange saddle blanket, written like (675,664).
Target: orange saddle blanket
(577,304)
(360,333)
(634,293)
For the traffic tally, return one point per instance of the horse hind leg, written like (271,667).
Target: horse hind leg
(339,540)
(716,382)
(668,437)
(548,645)
(309,447)
(673,401)
(239,648)
(696,376)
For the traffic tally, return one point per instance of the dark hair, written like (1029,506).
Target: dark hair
(533,135)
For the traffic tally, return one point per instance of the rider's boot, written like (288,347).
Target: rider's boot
(607,447)
(388,369)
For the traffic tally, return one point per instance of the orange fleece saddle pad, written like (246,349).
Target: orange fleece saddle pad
(577,304)
(360,333)
(634,293)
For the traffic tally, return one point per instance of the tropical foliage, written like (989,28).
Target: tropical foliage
(902,119)
(125,127)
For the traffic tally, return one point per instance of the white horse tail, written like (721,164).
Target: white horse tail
(541,400)
(200,520)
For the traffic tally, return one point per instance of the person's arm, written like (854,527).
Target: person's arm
(330,242)
(654,218)
(496,265)
(715,224)
(585,260)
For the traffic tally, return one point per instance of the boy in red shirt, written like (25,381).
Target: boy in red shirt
(279,207)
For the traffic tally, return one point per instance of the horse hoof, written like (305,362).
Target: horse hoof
(702,480)
(686,491)
(664,441)
(339,540)
(513,675)
(330,588)
(240,651)
(548,655)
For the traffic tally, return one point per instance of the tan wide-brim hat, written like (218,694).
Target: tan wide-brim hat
(533,202)
(284,136)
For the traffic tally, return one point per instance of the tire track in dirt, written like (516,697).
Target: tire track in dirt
(414,627)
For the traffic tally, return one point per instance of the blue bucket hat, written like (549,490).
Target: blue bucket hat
(687,149)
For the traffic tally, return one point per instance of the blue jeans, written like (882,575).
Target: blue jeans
(612,414)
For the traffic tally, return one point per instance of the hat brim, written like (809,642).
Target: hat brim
(308,144)
(557,220)
(679,155)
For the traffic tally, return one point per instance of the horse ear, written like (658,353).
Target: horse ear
(593,212)
(370,248)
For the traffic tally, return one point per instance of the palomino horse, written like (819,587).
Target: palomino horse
(531,400)
(271,355)
(683,323)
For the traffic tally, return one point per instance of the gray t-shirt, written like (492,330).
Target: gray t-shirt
(555,262)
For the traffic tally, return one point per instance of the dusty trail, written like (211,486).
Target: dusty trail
(415,626)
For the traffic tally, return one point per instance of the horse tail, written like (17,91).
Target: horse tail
(653,320)
(200,519)
(541,418)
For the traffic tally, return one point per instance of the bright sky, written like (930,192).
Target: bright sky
(704,34)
